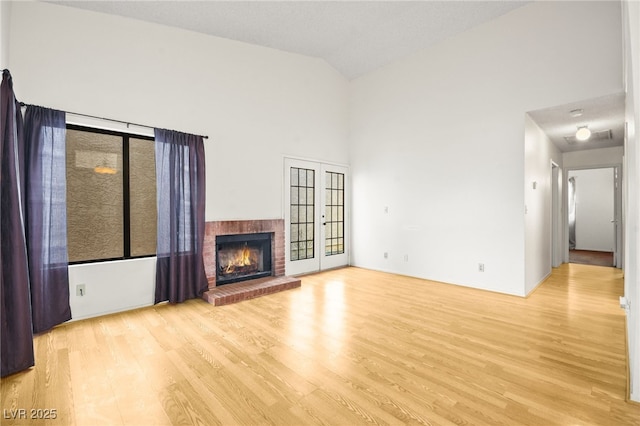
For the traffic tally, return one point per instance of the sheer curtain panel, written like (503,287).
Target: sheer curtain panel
(180,172)
(17,335)
(46,216)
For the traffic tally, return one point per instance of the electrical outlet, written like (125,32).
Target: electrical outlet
(406,257)
(80,290)
(480,267)
(386,255)
(624,303)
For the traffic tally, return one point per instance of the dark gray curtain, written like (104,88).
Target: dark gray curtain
(180,273)
(572,213)
(46,216)
(17,336)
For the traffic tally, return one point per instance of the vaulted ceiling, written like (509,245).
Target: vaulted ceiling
(356,37)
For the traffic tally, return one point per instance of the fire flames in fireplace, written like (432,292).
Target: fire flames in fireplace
(241,261)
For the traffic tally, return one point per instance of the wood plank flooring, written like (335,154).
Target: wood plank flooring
(590,257)
(350,347)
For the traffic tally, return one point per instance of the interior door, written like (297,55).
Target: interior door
(316,216)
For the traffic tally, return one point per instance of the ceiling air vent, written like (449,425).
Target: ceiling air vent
(602,135)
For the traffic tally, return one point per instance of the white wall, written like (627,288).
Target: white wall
(438,138)
(5,13)
(593,158)
(539,151)
(255,104)
(594,209)
(631,177)
(112,286)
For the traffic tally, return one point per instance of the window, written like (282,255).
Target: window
(111,195)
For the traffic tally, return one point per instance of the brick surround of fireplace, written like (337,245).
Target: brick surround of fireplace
(232,227)
(237,292)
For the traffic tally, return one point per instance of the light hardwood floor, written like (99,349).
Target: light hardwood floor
(349,347)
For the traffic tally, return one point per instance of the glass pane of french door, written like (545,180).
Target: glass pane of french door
(334,213)
(302,208)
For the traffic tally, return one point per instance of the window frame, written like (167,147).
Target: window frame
(126,193)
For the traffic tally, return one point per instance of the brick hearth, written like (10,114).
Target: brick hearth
(244,290)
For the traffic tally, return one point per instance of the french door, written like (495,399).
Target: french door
(316,216)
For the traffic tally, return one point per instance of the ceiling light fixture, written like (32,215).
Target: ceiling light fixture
(105,170)
(583,133)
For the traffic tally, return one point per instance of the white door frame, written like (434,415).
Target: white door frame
(618,253)
(617,211)
(556,215)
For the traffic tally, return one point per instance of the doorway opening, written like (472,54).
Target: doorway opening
(593,216)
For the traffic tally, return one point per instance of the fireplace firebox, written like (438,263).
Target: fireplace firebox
(242,257)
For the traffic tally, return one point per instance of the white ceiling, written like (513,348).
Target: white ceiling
(354,37)
(599,114)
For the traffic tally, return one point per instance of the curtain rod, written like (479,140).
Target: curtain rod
(128,123)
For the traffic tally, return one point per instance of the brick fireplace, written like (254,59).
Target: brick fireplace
(236,227)
(229,293)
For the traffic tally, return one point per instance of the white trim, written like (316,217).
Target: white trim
(556,206)
(315,160)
